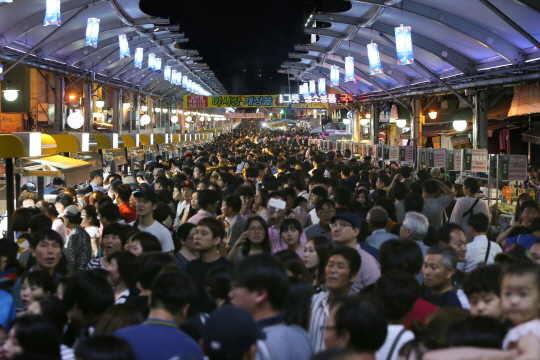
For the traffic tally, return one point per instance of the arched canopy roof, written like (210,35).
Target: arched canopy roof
(454,41)
(65,50)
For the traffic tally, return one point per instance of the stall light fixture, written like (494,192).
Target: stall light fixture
(100,104)
(364,122)
(11,95)
(75,120)
(126,105)
(368,116)
(158,109)
(174,119)
(165,110)
(460,125)
(144,107)
(401,123)
(145,119)
(432,115)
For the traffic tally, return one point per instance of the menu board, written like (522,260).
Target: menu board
(476,160)
(394,153)
(453,160)
(386,152)
(512,167)
(439,158)
(422,157)
(379,152)
(325,144)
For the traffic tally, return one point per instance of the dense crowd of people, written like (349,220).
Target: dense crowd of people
(260,246)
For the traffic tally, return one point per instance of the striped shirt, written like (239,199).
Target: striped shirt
(66,353)
(96,263)
(320,309)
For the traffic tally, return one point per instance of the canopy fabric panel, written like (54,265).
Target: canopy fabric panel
(66,143)
(532,135)
(91,157)
(75,171)
(129,141)
(116,155)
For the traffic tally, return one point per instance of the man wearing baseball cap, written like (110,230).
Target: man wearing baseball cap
(239,341)
(345,229)
(146,204)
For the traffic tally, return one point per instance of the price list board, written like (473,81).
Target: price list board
(379,152)
(394,153)
(406,153)
(512,167)
(386,152)
(422,157)
(453,160)
(476,160)
(436,158)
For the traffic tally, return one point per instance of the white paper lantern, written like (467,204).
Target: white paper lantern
(165,110)
(401,123)
(11,95)
(145,119)
(100,104)
(144,107)
(364,122)
(157,109)
(189,118)
(174,119)
(126,105)
(460,125)
(75,120)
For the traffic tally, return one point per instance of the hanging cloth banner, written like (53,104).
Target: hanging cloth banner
(334,76)
(52,13)
(375,66)
(322,87)
(178,80)
(157,65)
(306,89)
(312,89)
(404,46)
(124,46)
(349,69)
(139,55)
(184,82)
(174,78)
(92,32)
(167,73)
(151,61)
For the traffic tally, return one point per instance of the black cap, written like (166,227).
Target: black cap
(146,194)
(241,333)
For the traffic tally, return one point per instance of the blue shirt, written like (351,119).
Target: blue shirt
(157,339)
(7,309)
(526,240)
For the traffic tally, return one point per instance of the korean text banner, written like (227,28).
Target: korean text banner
(244,116)
(241,101)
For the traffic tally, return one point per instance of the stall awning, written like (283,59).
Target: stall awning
(129,141)
(48,145)
(75,171)
(91,157)
(532,135)
(12,147)
(66,143)
(158,139)
(100,142)
(144,139)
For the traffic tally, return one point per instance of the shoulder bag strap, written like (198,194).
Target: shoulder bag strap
(394,344)
(471,208)
(487,252)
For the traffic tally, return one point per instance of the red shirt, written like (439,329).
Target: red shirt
(420,311)
(128,213)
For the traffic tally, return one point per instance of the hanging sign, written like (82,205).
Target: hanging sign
(334,75)
(139,55)
(92,32)
(349,69)
(422,157)
(167,73)
(174,77)
(52,13)
(184,81)
(404,46)
(195,101)
(124,46)
(375,66)
(312,89)
(436,158)
(322,87)
(157,65)
(151,61)
(453,160)
(476,160)
(512,167)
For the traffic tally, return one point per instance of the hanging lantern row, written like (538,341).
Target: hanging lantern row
(404,50)
(312,90)
(53,17)
(322,86)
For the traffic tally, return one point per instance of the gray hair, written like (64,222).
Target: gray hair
(448,253)
(378,216)
(159,171)
(417,224)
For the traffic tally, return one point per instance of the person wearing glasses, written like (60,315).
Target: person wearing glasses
(345,229)
(254,240)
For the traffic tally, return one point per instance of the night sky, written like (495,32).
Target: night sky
(243,42)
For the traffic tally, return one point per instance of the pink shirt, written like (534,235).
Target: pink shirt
(276,244)
(370,271)
(198,216)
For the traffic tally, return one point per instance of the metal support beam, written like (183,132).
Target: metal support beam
(416,128)
(45,79)
(88,106)
(43,40)
(59,93)
(113,75)
(511,22)
(423,67)
(480,121)
(116,109)
(374,123)
(10,201)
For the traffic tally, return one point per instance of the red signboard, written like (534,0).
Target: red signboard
(196,101)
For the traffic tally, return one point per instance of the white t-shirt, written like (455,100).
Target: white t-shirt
(60,228)
(161,232)
(393,331)
(93,231)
